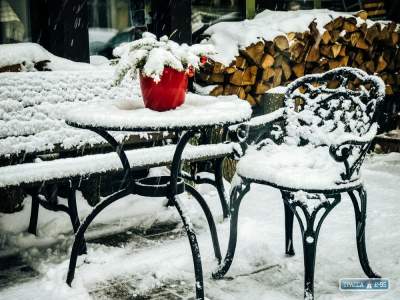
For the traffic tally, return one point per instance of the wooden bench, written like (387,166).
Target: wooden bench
(42,156)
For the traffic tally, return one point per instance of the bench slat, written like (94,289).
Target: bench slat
(30,173)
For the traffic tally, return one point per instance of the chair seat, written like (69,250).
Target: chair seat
(288,167)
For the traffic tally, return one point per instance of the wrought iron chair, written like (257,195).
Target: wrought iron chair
(315,156)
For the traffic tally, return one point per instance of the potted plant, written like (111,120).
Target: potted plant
(163,67)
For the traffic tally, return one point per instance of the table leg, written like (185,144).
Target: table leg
(124,190)
(175,173)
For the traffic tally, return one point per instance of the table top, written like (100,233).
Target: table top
(198,111)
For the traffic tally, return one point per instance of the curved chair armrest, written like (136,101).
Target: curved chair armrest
(266,119)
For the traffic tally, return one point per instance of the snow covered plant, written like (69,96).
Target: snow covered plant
(149,56)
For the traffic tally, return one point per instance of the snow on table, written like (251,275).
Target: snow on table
(229,37)
(33,105)
(197,111)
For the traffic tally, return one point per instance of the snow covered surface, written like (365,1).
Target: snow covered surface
(149,56)
(295,167)
(101,163)
(197,111)
(260,269)
(229,37)
(33,104)
(31,53)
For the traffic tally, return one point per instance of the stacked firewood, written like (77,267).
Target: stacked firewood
(268,64)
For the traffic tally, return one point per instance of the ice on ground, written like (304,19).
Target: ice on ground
(260,269)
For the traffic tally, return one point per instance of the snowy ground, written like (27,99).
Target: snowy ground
(136,265)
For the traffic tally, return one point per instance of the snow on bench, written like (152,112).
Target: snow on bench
(44,171)
(32,106)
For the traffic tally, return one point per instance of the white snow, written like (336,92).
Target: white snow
(260,269)
(31,53)
(306,167)
(102,163)
(32,107)
(229,37)
(149,56)
(197,111)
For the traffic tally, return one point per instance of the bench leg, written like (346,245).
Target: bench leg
(360,215)
(237,195)
(73,214)
(310,226)
(219,183)
(289,215)
(79,236)
(34,214)
(210,220)
(198,270)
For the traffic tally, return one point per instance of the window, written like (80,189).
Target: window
(14,21)
(207,12)
(112,22)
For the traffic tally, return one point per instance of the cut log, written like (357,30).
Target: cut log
(251,100)
(217,91)
(298,69)
(247,77)
(281,42)
(335,49)
(361,14)
(381,64)
(277,77)
(267,61)
(254,53)
(268,73)
(287,71)
(338,62)
(241,62)
(313,54)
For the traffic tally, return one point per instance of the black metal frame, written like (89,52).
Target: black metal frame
(311,219)
(164,186)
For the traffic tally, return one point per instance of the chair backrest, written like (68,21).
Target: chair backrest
(336,109)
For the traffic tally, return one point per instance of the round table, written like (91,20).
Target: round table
(196,114)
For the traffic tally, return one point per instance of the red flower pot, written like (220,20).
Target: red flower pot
(168,93)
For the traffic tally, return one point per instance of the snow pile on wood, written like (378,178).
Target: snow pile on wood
(33,57)
(276,47)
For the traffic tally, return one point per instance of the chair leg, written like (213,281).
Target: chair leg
(34,214)
(73,214)
(219,183)
(360,215)
(237,195)
(198,270)
(210,220)
(289,215)
(310,232)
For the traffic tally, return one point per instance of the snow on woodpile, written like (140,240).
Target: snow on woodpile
(276,47)
(33,104)
(229,37)
(30,55)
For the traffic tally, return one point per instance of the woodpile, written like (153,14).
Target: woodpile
(268,64)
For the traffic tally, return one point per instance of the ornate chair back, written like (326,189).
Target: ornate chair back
(337,110)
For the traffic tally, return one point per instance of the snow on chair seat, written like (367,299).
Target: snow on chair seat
(67,168)
(294,168)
